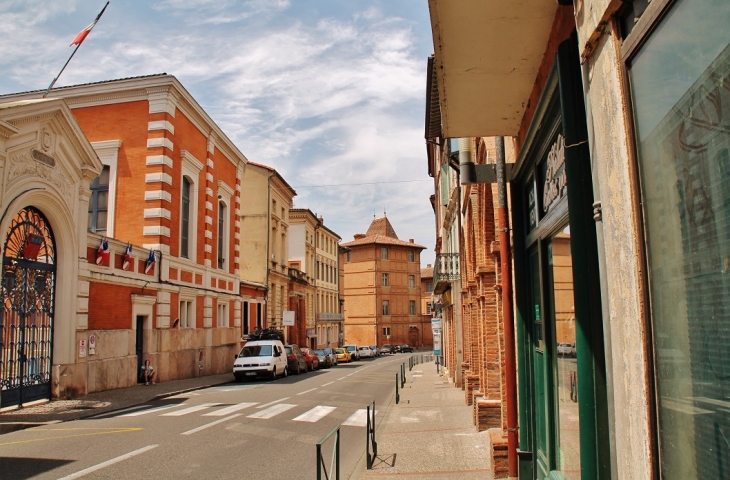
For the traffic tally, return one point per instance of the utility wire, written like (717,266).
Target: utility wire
(356,184)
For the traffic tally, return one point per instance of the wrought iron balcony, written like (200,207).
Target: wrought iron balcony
(329,317)
(445,271)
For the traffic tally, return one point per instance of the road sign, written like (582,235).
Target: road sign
(435,324)
(288,318)
(437,343)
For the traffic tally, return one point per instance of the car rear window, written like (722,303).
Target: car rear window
(256,351)
(351,348)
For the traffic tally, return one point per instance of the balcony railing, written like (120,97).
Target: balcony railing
(445,271)
(329,317)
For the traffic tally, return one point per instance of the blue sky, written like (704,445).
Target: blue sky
(330,93)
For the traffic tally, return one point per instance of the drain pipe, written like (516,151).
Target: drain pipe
(505,253)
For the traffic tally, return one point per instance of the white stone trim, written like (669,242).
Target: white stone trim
(208,234)
(159,160)
(225,190)
(157,213)
(210,163)
(209,191)
(158,177)
(142,305)
(209,206)
(159,142)
(208,220)
(193,163)
(209,177)
(156,230)
(108,153)
(161,125)
(158,195)
(208,249)
(157,246)
(163,100)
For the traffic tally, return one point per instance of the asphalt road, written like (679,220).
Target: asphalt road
(261,430)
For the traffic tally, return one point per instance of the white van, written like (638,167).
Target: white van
(260,358)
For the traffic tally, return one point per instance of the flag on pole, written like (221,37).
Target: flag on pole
(127,257)
(102,254)
(85,32)
(150,262)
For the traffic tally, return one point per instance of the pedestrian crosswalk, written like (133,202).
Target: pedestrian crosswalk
(262,412)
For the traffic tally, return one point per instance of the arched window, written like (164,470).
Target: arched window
(222,234)
(185,219)
(99,202)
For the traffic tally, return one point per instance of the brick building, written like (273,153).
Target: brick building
(303,226)
(382,288)
(169,185)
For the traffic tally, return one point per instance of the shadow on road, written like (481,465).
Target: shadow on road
(22,467)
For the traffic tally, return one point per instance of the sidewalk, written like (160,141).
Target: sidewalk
(430,433)
(100,402)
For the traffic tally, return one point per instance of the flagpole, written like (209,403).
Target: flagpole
(72,54)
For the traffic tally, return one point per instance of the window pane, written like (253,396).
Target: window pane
(681,97)
(103,179)
(102,198)
(101,221)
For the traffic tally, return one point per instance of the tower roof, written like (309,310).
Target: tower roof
(381,226)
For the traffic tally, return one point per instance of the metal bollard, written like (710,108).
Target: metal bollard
(397,395)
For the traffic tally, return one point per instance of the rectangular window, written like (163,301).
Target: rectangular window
(411,256)
(221,234)
(411,281)
(386,307)
(259,311)
(385,279)
(386,331)
(429,287)
(681,101)
(222,318)
(384,253)
(412,307)
(428,308)
(99,202)
(187,314)
(185,219)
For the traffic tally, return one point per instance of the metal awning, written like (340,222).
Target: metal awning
(487,56)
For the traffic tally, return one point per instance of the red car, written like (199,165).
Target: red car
(312,359)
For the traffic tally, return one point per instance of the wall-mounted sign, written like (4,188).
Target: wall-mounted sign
(288,318)
(531,206)
(556,179)
(435,324)
(92,344)
(437,343)
(82,347)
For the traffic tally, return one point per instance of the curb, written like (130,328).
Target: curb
(185,390)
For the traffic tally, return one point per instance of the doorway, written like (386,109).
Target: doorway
(139,345)
(26,320)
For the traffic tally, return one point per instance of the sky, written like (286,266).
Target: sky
(331,93)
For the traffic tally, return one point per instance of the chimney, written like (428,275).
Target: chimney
(358,236)
(321,220)
(428,265)
(410,240)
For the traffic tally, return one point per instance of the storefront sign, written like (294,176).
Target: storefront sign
(531,210)
(555,177)
(288,318)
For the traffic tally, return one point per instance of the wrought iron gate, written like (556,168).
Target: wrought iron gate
(26,320)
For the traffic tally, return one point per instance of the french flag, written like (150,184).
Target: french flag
(127,257)
(81,36)
(102,255)
(150,262)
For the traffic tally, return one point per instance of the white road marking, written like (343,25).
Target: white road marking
(307,391)
(271,403)
(358,419)
(315,414)
(272,411)
(145,412)
(416,375)
(208,425)
(117,412)
(185,411)
(330,383)
(233,408)
(86,471)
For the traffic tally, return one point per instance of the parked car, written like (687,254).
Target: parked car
(343,355)
(333,356)
(365,352)
(261,358)
(311,358)
(354,351)
(387,348)
(375,350)
(295,359)
(404,348)
(324,359)
(565,349)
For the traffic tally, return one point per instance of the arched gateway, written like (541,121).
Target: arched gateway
(26,319)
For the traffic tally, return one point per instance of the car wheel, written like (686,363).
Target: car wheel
(286,372)
(239,378)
